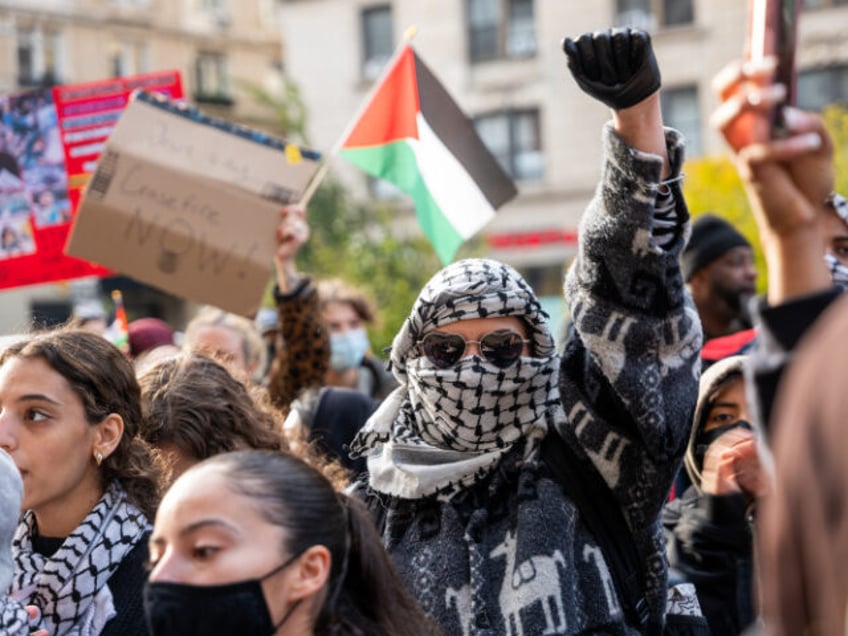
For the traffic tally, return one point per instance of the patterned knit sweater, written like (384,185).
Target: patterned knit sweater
(512,555)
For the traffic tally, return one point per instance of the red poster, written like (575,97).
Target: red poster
(50,140)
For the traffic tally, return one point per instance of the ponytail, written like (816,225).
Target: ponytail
(364,595)
(369,596)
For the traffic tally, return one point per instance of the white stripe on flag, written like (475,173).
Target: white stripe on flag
(452,188)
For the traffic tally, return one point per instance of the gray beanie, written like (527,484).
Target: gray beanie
(11,496)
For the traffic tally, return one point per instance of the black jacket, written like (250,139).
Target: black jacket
(709,544)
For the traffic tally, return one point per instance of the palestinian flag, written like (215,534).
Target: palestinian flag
(414,135)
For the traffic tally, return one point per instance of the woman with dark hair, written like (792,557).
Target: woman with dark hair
(257,542)
(195,408)
(70,408)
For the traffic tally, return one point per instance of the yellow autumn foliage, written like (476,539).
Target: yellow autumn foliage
(713,185)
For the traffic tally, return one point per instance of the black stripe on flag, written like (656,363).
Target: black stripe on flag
(458,134)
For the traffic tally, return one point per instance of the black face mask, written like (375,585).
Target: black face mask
(233,608)
(705,438)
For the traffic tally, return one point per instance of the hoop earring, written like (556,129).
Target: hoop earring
(98,457)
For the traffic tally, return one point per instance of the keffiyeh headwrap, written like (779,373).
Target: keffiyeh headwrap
(443,429)
(838,271)
(69,587)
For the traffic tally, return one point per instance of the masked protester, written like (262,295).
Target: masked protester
(475,516)
(281,552)
(709,527)
(323,374)
(835,228)
(346,313)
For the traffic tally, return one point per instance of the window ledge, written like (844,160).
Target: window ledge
(215,100)
(505,59)
(679,30)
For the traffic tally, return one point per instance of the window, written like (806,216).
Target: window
(677,12)
(129,59)
(39,55)
(217,11)
(680,110)
(211,79)
(819,87)
(648,14)
(513,137)
(500,29)
(377,43)
(821,4)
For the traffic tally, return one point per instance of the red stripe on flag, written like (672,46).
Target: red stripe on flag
(391,114)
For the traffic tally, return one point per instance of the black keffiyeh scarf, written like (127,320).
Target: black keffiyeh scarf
(69,587)
(444,429)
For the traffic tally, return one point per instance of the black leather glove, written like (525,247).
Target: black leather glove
(615,66)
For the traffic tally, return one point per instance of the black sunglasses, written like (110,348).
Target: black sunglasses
(502,348)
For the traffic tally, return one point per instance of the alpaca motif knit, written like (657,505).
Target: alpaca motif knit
(509,552)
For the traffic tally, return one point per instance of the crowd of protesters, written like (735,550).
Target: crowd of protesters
(673,469)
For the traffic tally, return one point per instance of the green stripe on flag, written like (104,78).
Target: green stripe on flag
(395,162)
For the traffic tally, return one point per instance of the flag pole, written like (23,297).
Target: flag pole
(319,175)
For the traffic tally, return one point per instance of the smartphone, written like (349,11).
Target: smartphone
(773,30)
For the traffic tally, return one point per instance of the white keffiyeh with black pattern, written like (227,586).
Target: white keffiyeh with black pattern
(444,429)
(838,271)
(13,619)
(69,587)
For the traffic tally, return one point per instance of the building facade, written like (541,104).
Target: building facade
(223,48)
(500,59)
(503,63)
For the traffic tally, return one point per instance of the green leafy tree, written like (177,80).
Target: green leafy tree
(360,245)
(713,185)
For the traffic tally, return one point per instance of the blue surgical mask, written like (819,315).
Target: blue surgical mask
(348,348)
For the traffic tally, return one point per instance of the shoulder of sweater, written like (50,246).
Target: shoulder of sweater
(127,585)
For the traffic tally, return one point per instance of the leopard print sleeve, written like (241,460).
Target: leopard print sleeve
(303,345)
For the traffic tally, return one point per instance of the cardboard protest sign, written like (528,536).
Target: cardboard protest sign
(190,204)
(50,140)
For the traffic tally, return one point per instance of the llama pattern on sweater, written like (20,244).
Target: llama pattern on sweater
(627,384)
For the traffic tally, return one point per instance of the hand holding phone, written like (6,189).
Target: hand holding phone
(773,31)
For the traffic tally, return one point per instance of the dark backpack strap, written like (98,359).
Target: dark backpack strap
(602,515)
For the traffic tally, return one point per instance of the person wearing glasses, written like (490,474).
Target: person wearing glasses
(475,515)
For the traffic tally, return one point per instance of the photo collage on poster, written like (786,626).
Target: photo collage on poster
(33,179)
(50,142)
